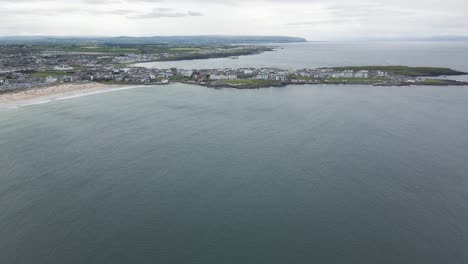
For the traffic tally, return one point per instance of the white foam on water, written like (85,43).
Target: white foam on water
(101,91)
(64,96)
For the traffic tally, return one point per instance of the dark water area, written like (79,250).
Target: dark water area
(188,174)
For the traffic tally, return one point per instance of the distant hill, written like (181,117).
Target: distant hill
(447,38)
(170,40)
(430,39)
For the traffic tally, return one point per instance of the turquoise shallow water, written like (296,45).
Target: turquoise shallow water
(187,174)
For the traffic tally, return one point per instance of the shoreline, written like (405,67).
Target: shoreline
(62,91)
(247,86)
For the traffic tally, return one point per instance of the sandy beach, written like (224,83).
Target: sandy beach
(48,91)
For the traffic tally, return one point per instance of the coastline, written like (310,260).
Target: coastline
(247,85)
(62,91)
(54,92)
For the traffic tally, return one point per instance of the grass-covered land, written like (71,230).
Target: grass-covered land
(179,78)
(100,49)
(186,49)
(341,80)
(140,53)
(75,48)
(220,53)
(434,81)
(121,49)
(405,70)
(244,83)
(43,74)
(111,49)
(168,40)
(441,82)
(248,82)
(356,80)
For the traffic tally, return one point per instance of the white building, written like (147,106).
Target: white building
(337,75)
(186,73)
(262,76)
(232,76)
(169,74)
(361,74)
(280,77)
(382,74)
(348,74)
(51,79)
(69,78)
(248,71)
(63,68)
(343,74)
(219,77)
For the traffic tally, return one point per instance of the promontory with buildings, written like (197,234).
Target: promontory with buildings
(24,66)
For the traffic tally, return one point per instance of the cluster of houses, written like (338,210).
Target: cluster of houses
(13,84)
(44,61)
(129,58)
(243,73)
(332,73)
(133,58)
(32,69)
(282,75)
(136,75)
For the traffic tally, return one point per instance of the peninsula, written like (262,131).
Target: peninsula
(242,78)
(43,62)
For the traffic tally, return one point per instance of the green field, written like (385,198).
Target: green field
(438,82)
(356,80)
(102,48)
(165,52)
(43,74)
(178,78)
(98,49)
(135,49)
(248,82)
(405,70)
(434,81)
(186,49)
(341,80)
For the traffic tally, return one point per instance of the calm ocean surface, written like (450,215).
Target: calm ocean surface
(188,174)
(329,54)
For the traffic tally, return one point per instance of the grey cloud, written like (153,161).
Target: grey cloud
(320,22)
(165,12)
(38,12)
(329,19)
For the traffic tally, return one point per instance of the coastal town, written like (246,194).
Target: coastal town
(235,78)
(25,70)
(26,66)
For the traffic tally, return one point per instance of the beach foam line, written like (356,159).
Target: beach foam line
(101,91)
(64,96)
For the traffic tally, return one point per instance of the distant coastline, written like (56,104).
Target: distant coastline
(158,40)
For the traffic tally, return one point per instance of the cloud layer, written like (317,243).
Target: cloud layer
(313,19)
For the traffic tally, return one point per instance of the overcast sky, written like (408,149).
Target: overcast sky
(312,19)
